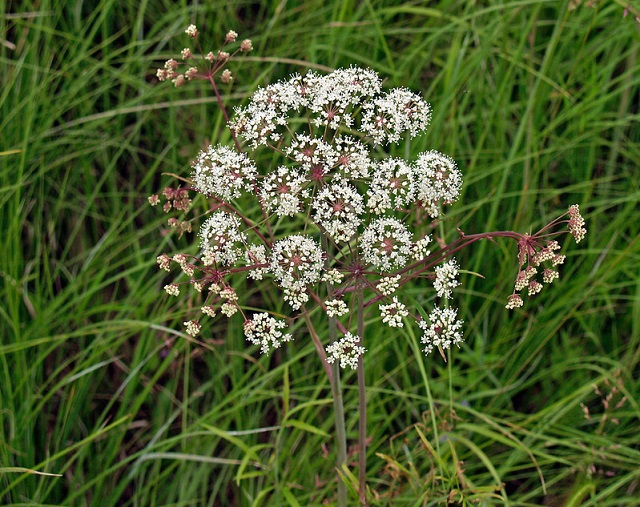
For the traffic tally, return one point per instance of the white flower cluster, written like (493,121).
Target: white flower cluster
(265,331)
(386,244)
(446,278)
(329,178)
(296,263)
(347,350)
(392,313)
(221,239)
(336,308)
(442,330)
(282,190)
(337,210)
(223,172)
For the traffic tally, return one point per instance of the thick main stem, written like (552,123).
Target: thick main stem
(362,407)
(341,433)
(338,405)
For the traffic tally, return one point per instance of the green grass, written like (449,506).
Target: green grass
(537,102)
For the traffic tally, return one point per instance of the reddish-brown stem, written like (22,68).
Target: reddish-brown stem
(321,304)
(319,348)
(362,406)
(224,112)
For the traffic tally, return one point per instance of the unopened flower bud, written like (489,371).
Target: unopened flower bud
(231,36)
(226,76)
(178,81)
(192,31)
(186,53)
(246,45)
(191,73)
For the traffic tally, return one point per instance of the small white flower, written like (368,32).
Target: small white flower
(332,96)
(523,278)
(549,275)
(515,301)
(229,294)
(437,180)
(332,276)
(420,250)
(442,330)
(296,297)
(314,155)
(534,287)
(191,31)
(353,160)
(576,223)
(391,186)
(208,310)
(281,191)
(265,331)
(164,262)
(446,278)
(228,309)
(347,350)
(268,110)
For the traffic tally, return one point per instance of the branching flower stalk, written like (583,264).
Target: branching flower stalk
(336,224)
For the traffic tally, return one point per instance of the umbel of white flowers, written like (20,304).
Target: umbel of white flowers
(335,214)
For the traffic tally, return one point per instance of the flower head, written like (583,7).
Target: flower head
(192,31)
(393,113)
(337,209)
(437,181)
(265,331)
(391,186)
(392,313)
(442,330)
(296,262)
(446,278)
(347,350)
(221,239)
(386,244)
(222,172)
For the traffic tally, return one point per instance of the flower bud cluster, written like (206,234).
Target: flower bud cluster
(539,250)
(210,65)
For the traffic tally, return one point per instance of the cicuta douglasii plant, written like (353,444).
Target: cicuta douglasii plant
(339,226)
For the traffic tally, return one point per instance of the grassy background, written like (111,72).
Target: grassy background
(538,103)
